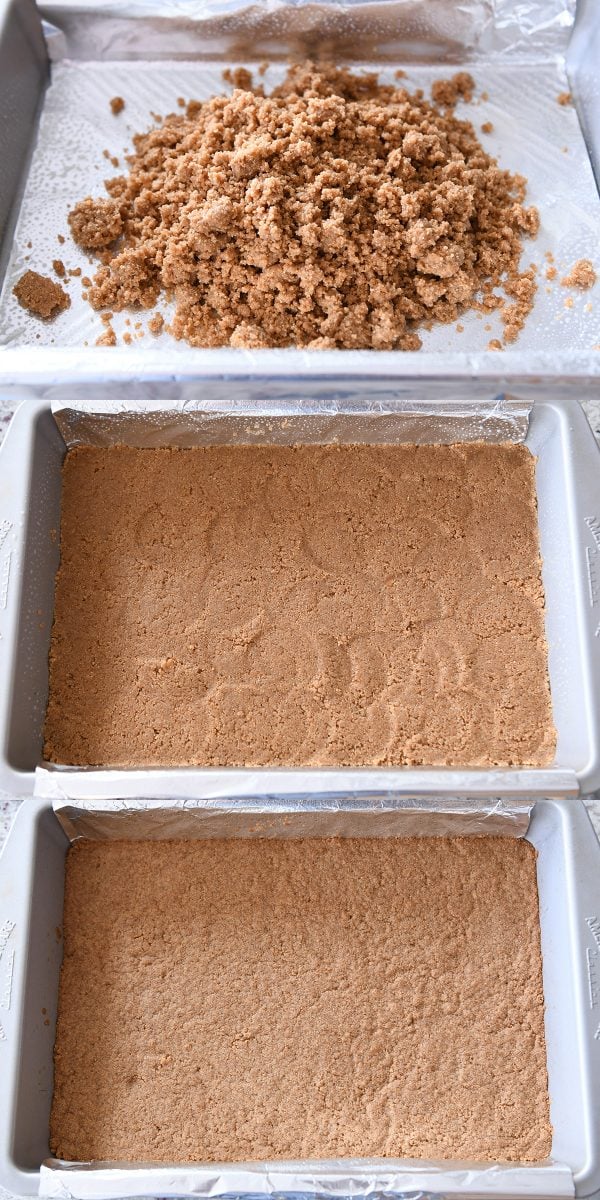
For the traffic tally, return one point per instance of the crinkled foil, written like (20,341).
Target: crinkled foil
(262,411)
(383,30)
(301,816)
(375,1179)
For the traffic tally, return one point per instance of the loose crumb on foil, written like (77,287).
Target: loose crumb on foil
(582,275)
(564,98)
(41,296)
(337,212)
(117,104)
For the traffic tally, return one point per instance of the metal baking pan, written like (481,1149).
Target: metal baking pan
(31,897)
(521,55)
(568,492)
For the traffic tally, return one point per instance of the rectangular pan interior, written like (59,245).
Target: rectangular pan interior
(31,891)
(568,490)
(97,54)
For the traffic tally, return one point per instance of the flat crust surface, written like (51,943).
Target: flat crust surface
(308,605)
(268,999)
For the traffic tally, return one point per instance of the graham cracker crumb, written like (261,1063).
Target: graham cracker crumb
(181,102)
(76,272)
(335,212)
(59,267)
(328,605)
(494,344)
(61,239)
(564,98)
(568,302)
(551,273)
(117,104)
(487,127)
(40,295)
(582,275)
(127,338)
(239,78)
(448,92)
(108,338)
(156,324)
(197,973)
(95,223)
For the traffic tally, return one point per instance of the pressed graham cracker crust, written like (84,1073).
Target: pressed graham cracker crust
(299,605)
(267,999)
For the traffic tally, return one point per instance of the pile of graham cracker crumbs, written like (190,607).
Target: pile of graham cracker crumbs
(334,212)
(40,295)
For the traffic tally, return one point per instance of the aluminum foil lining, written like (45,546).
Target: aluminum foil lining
(301,816)
(279,788)
(403,1179)
(377,1179)
(414,30)
(259,411)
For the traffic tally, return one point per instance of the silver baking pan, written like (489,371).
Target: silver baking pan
(60,64)
(31,897)
(568,492)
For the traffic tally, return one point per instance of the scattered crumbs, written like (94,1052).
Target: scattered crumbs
(399,74)
(29,245)
(59,267)
(495,344)
(76,272)
(106,153)
(551,273)
(86,281)
(84,295)
(117,104)
(106,318)
(549,255)
(156,117)
(569,302)
(487,327)
(108,338)
(140,334)
(127,338)
(582,275)
(448,92)
(41,296)
(138,325)
(114,160)
(127,321)
(487,127)
(564,98)
(240,78)
(460,329)
(156,323)
(61,239)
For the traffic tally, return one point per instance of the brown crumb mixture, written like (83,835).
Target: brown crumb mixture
(41,296)
(582,275)
(108,338)
(299,606)
(59,267)
(271,998)
(564,98)
(117,104)
(487,127)
(156,324)
(335,212)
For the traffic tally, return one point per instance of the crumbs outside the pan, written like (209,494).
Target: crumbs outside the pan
(117,104)
(335,212)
